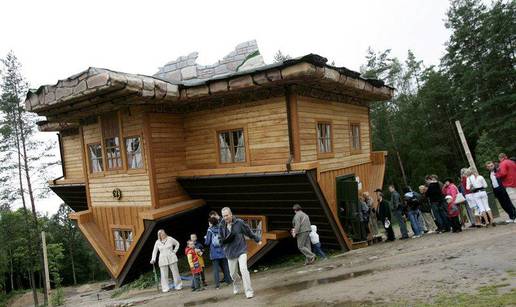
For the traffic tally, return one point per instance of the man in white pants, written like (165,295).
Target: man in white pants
(234,231)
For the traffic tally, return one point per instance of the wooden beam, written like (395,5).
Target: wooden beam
(176,208)
(249,169)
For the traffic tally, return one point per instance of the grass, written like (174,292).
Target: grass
(487,296)
(145,281)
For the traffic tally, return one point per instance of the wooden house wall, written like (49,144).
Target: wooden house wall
(72,158)
(107,211)
(340,115)
(168,155)
(264,123)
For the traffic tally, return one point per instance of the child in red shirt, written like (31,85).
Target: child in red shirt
(195,265)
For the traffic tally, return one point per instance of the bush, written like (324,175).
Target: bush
(57,297)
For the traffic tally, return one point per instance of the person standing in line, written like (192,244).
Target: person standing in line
(412,201)
(384,215)
(426,211)
(500,192)
(453,214)
(507,172)
(167,247)
(477,185)
(234,231)
(470,203)
(215,215)
(199,249)
(301,231)
(439,206)
(373,221)
(397,210)
(214,241)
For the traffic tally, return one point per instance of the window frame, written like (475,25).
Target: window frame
(124,168)
(88,159)
(353,150)
(126,164)
(320,154)
(118,124)
(127,228)
(246,146)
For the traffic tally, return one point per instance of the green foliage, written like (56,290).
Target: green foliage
(474,84)
(57,297)
(145,281)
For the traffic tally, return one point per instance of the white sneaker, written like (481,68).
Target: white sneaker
(509,221)
(235,290)
(514,221)
(250,295)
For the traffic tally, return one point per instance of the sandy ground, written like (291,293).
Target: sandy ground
(408,271)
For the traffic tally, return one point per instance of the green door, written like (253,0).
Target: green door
(348,207)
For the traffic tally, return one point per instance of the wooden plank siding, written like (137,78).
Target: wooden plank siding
(265,124)
(370,175)
(168,156)
(340,115)
(72,158)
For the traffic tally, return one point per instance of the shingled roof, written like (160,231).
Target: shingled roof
(100,90)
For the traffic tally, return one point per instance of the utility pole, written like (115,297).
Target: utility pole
(45,261)
(465,146)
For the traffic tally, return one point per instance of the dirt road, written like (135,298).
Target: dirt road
(400,272)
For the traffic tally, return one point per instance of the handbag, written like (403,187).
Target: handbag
(459,199)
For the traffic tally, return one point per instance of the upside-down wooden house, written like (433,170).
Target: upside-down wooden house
(140,153)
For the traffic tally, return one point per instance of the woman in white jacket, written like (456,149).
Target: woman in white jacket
(167,247)
(477,185)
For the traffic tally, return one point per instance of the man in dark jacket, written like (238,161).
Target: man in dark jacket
(384,215)
(439,206)
(301,232)
(234,231)
(397,210)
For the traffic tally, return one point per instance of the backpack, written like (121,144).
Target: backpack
(215,239)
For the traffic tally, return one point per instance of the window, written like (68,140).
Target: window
(134,152)
(123,239)
(95,156)
(324,137)
(111,134)
(356,146)
(255,224)
(232,146)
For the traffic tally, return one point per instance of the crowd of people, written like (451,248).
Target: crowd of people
(437,207)
(443,206)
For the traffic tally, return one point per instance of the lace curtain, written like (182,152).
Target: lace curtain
(134,152)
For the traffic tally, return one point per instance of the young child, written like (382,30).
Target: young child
(195,266)
(453,214)
(199,249)
(316,244)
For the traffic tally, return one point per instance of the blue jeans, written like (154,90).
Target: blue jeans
(217,264)
(414,221)
(403,227)
(316,248)
(196,281)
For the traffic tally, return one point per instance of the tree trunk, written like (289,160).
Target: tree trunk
(25,214)
(32,201)
(11,271)
(73,264)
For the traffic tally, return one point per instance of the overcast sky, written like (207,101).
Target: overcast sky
(56,39)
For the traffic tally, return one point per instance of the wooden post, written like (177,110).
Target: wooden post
(45,261)
(465,146)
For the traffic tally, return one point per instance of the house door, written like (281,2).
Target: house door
(348,207)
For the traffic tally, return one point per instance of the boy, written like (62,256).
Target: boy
(316,244)
(195,266)
(199,249)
